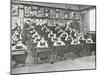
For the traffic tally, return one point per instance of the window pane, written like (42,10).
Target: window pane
(92,19)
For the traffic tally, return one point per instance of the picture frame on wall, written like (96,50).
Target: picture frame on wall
(54,37)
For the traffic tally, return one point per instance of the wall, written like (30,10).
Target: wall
(87,24)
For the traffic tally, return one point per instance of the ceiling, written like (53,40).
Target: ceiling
(56,5)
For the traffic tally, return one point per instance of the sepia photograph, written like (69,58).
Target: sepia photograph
(52,37)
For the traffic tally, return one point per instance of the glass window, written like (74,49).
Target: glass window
(92,19)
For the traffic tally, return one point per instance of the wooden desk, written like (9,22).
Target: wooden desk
(63,52)
(59,52)
(42,55)
(91,48)
(19,56)
(86,49)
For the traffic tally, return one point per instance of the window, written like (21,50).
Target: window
(92,19)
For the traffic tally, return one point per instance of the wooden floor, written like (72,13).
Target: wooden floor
(87,62)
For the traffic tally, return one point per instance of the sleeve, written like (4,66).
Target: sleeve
(59,31)
(33,36)
(72,42)
(52,40)
(62,43)
(61,35)
(35,40)
(42,28)
(38,45)
(48,35)
(14,47)
(24,47)
(46,44)
(55,44)
(66,38)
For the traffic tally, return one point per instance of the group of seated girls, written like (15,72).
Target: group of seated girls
(16,41)
(45,36)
